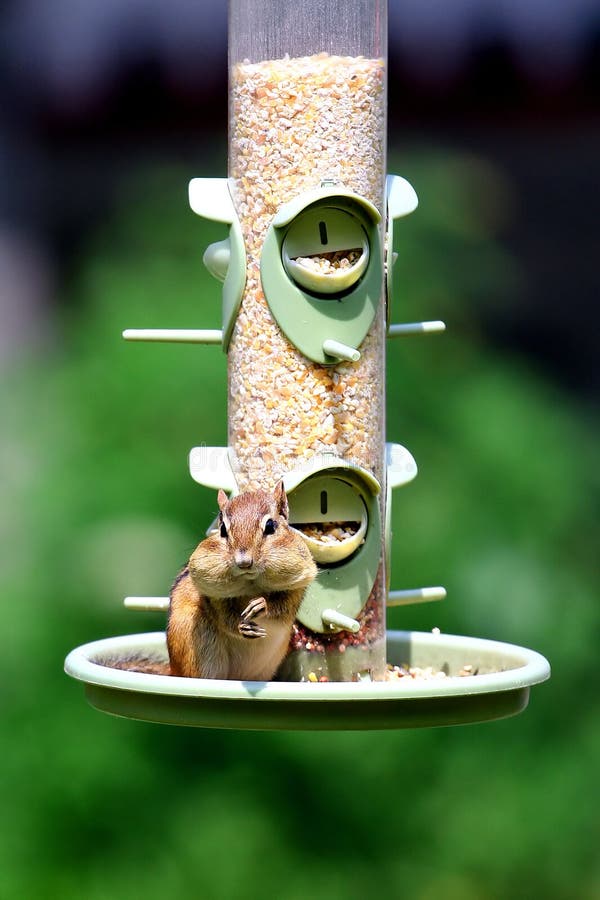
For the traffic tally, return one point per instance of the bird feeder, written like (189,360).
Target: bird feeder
(306,272)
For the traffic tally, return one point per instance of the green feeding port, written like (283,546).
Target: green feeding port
(332,517)
(336,509)
(326,251)
(226,259)
(322,272)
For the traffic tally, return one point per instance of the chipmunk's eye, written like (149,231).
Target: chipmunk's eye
(270,526)
(223,530)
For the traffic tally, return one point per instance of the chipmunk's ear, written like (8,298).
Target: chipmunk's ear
(222,499)
(281,500)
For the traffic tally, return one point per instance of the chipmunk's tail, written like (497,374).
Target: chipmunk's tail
(147,665)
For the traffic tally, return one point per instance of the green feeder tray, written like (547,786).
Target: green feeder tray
(505,675)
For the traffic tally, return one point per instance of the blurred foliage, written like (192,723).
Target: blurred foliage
(98,504)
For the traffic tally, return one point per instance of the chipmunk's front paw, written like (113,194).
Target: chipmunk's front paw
(255,608)
(249,628)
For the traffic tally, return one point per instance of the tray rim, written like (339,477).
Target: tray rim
(524,668)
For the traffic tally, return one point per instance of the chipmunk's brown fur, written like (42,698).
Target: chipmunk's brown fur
(233,606)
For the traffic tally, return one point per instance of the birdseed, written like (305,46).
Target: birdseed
(329,532)
(423,673)
(326,263)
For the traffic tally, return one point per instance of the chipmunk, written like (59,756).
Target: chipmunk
(233,606)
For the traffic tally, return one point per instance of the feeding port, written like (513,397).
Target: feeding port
(332,519)
(307,281)
(326,251)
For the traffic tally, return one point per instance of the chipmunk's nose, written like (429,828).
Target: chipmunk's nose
(243,559)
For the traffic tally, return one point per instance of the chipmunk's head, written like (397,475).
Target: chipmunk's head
(254,546)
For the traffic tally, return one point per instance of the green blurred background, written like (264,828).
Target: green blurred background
(98,503)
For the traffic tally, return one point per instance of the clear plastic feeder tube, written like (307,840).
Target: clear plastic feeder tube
(308,107)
